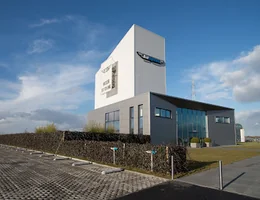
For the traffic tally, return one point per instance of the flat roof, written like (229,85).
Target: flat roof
(190,104)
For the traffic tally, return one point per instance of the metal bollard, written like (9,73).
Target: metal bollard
(220,176)
(114,154)
(152,153)
(172,167)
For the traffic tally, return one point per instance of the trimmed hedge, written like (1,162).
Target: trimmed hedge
(195,140)
(207,140)
(126,138)
(133,155)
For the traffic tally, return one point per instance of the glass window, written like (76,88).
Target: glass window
(162,113)
(131,112)
(227,120)
(131,126)
(140,110)
(219,119)
(116,115)
(111,116)
(112,119)
(106,117)
(157,112)
(116,126)
(168,114)
(140,119)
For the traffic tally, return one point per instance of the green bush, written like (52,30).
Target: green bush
(49,128)
(207,140)
(110,129)
(94,127)
(195,140)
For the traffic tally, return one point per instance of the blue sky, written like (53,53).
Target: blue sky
(50,51)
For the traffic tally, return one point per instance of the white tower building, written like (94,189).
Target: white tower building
(136,66)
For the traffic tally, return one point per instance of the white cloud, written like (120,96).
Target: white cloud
(45,22)
(250,121)
(19,122)
(91,55)
(52,89)
(40,46)
(240,78)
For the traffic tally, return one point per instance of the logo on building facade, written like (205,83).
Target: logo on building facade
(151,59)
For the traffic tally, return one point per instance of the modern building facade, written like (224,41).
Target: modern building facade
(130,95)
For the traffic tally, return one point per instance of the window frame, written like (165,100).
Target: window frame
(222,121)
(113,121)
(131,120)
(160,113)
(140,118)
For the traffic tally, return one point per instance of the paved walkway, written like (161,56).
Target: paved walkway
(25,176)
(242,177)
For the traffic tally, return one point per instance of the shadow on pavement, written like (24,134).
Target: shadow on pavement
(178,190)
(233,180)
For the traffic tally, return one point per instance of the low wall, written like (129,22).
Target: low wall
(133,155)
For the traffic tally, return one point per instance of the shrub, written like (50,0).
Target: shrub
(110,129)
(49,128)
(195,140)
(94,127)
(207,140)
(125,138)
(130,155)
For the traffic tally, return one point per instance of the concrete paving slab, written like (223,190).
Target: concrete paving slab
(24,176)
(242,177)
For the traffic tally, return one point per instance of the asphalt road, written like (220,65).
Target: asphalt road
(183,191)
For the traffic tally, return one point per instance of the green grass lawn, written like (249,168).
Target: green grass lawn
(206,158)
(249,145)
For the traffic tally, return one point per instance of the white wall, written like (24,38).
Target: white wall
(135,76)
(124,54)
(149,77)
(242,135)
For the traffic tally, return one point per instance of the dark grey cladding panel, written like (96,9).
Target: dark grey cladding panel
(222,134)
(163,130)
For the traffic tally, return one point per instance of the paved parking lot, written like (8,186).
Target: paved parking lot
(25,176)
(242,177)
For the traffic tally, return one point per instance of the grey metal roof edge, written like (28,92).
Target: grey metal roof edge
(199,102)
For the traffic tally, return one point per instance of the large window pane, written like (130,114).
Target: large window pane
(140,119)
(140,110)
(220,119)
(131,125)
(132,112)
(112,119)
(111,116)
(157,112)
(227,120)
(116,115)
(168,114)
(116,126)
(106,117)
(163,113)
